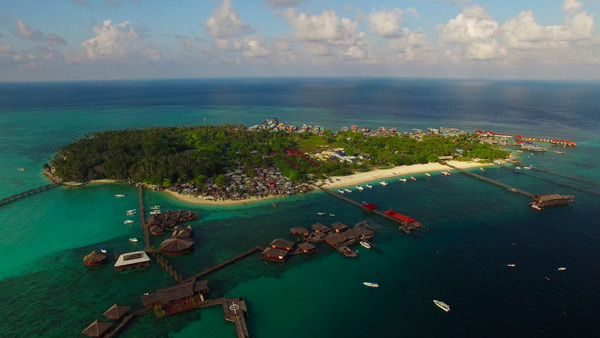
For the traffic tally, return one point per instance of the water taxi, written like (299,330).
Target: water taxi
(511,265)
(365,244)
(402,180)
(427,175)
(103,250)
(133,239)
(562,268)
(412,178)
(119,195)
(371,284)
(340,191)
(442,305)
(384,183)
(359,188)
(368,186)
(128,221)
(348,190)
(321,213)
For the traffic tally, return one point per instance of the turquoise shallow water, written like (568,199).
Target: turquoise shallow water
(460,257)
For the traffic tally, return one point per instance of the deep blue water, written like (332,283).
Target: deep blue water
(460,258)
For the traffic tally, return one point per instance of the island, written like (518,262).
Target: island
(237,164)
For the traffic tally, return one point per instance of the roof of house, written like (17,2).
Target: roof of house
(399,216)
(181,231)
(116,311)
(97,328)
(319,227)
(94,257)
(370,206)
(275,252)
(282,243)
(132,258)
(176,244)
(306,246)
(339,226)
(299,230)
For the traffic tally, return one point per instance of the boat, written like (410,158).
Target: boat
(156,207)
(359,188)
(481,169)
(365,244)
(321,213)
(412,178)
(340,191)
(21,169)
(155,212)
(442,305)
(368,186)
(103,250)
(446,173)
(128,221)
(348,252)
(427,175)
(131,211)
(556,152)
(332,215)
(562,268)
(511,265)
(119,195)
(384,183)
(348,190)
(274,205)
(519,151)
(133,239)
(371,284)
(536,207)
(402,180)
(517,168)
(528,168)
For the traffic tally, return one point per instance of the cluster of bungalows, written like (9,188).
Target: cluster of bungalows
(180,243)
(566,143)
(169,219)
(132,260)
(343,237)
(100,328)
(278,250)
(94,259)
(177,298)
(493,138)
(445,132)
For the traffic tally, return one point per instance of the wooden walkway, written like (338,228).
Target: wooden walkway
(125,321)
(168,268)
(142,220)
(489,180)
(27,193)
(595,193)
(574,178)
(226,263)
(233,310)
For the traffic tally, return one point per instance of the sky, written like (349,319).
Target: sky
(65,40)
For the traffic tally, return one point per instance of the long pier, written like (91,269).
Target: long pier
(574,178)
(489,180)
(27,193)
(226,263)
(142,220)
(168,269)
(595,193)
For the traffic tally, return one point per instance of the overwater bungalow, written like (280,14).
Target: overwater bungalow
(116,312)
(318,227)
(299,231)
(94,259)
(339,227)
(177,246)
(156,230)
(178,298)
(97,329)
(307,248)
(182,232)
(275,255)
(282,244)
(132,260)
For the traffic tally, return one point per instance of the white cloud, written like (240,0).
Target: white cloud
(225,22)
(572,5)
(118,42)
(254,47)
(284,3)
(27,32)
(325,27)
(54,39)
(411,46)
(5,48)
(386,23)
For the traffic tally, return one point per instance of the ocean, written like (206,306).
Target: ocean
(472,229)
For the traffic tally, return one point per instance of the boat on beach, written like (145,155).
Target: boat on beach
(119,195)
(365,244)
(133,239)
(384,183)
(368,186)
(427,175)
(442,305)
(371,284)
(128,221)
(402,179)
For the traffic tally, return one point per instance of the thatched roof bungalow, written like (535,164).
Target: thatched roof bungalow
(177,246)
(97,329)
(94,259)
(307,248)
(275,255)
(299,231)
(116,311)
(282,244)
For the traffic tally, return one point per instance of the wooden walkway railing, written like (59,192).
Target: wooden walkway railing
(27,193)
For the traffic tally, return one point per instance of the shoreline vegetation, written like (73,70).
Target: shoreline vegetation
(232,164)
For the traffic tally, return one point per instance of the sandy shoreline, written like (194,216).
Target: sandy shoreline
(338,181)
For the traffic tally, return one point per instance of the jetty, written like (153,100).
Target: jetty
(591,192)
(574,178)
(27,193)
(142,220)
(168,268)
(233,310)
(226,263)
(489,180)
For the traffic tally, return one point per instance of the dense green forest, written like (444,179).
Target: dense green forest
(164,155)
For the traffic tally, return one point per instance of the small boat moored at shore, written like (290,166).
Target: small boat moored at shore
(427,175)
(446,173)
(536,207)
(371,284)
(368,186)
(119,195)
(340,191)
(384,183)
(348,190)
(365,244)
(481,169)
(128,221)
(442,305)
(412,178)
(133,239)
(402,179)
(359,188)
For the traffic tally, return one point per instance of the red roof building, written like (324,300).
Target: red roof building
(370,206)
(399,216)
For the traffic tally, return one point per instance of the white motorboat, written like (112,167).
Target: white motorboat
(384,183)
(133,239)
(536,207)
(132,211)
(155,212)
(359,188)
(511,265)
(427,175)
(517,168)
(481,169)
(442,305)
(321,213)
(103,250)
(340,191)
(332,215)
(156,207)
(371,284)
(402,180)
(562,268)
(528,168)
(119,195)
(128,221)
(348,190)
(368,186)
(412,178)
(365,244)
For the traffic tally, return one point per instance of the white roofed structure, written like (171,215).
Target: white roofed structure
(132,260)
